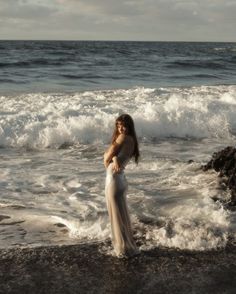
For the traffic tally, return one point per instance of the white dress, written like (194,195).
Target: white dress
(115,191)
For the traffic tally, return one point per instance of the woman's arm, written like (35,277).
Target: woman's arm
(109,154)
(113,150)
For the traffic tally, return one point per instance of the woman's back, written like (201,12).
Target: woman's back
(126,151)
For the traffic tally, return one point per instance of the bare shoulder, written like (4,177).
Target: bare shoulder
(121,139)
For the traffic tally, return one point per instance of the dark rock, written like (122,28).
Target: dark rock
(224,162)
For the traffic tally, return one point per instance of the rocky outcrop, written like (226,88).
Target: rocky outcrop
(224,162)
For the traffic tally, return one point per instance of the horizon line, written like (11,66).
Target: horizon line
(147,41)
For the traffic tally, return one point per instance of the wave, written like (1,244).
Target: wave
(82,76)
(197,64)
(226,49)
(5,80)
(49,61)
(12,81)
(198,76)
(233,59)
(182,219)
(54,120)
(207,76)
(29,63)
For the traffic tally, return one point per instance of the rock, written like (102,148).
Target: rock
(224,162)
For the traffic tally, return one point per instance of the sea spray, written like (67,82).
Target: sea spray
(42,121)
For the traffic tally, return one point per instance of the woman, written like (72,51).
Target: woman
(124,146)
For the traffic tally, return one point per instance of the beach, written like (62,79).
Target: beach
(84,269)
(59,101)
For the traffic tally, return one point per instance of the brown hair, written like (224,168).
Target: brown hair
(128,122)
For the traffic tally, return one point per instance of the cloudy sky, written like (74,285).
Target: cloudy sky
(157,20)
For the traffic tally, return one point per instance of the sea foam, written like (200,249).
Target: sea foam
(43,120)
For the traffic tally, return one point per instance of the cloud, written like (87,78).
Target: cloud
(23,9)
(123,19)
(105,6)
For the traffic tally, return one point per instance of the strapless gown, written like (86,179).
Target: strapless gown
(115,191)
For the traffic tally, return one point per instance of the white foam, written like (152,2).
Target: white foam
(175,195)
(194,227)
(177,201)
(86,229)
(42,120)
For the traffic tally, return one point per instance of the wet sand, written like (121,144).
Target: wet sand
(86,269)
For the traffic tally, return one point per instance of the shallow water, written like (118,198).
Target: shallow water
(52,177)
(58,105)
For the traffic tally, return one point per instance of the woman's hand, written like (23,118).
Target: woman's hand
(115,165)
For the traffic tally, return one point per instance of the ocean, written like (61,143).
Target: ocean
(59,100)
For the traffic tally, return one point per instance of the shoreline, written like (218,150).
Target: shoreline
(85,269)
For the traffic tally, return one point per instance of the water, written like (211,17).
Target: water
(58,105)
(56,66)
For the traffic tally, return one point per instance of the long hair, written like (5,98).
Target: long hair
(128,122)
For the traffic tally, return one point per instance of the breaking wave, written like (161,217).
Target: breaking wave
(51,120)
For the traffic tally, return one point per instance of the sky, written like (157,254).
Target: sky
(140,20)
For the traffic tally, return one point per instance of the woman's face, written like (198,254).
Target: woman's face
(121,128)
